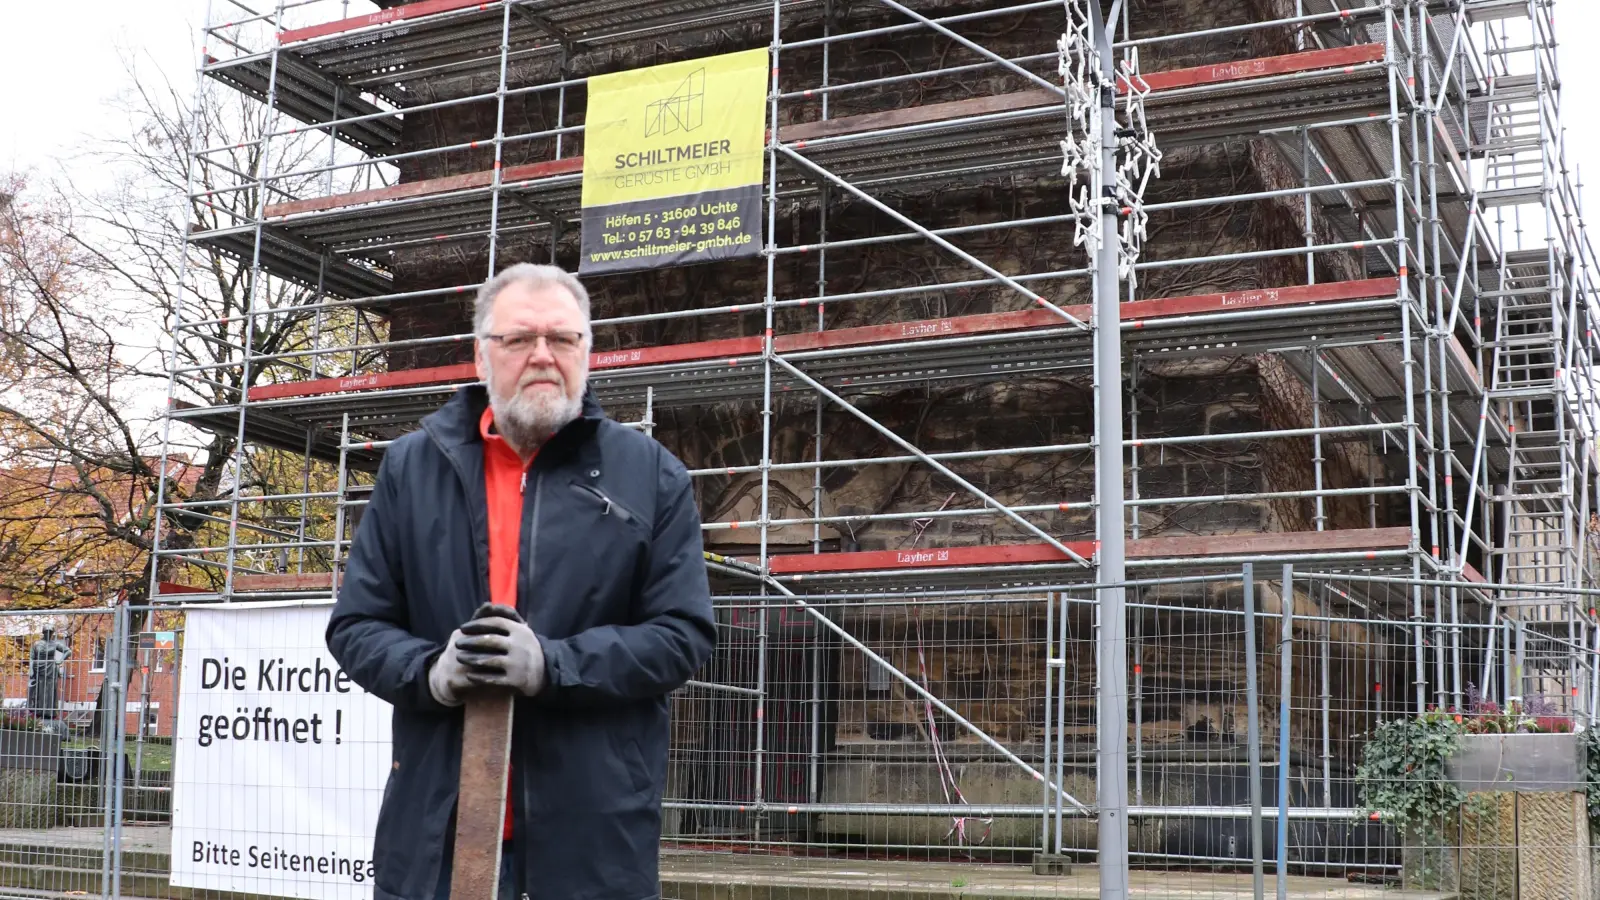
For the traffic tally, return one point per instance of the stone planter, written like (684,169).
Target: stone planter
(28,765)
(1475,858)
(35,750)
(1430,865)
(1594,869)
(1521,763)
(1524,831)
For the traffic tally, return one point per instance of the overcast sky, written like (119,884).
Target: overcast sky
(58,64)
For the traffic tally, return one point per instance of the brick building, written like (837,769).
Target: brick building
(153,686)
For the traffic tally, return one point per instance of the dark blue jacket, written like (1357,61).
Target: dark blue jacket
(612,579)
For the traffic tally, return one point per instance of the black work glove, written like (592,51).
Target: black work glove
(498,649)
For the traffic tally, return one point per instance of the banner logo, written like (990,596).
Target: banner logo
(685,110)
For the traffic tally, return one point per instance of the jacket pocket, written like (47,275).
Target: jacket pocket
(608,505)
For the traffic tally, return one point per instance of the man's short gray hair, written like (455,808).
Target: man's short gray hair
(532,276)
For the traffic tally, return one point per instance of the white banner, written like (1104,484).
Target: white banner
(280,759)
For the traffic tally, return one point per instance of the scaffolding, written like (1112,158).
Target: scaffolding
(1420,301)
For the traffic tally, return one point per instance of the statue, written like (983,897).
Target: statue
(44,674)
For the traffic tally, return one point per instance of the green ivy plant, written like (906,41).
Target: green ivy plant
(1590,741)
(1401,777)
(1402,780)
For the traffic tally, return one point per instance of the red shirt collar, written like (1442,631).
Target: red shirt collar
(496,446)
(486,426)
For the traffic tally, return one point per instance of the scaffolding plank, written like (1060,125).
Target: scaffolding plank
(1349,539)
(301,581)
(393,14)
(172,588)
(1135,312)
(309,95)
(953,326)
(931,557)
(296,259)
(1261,67)
(673,353)
(481,795)
(513,175)
(950,110)
(1344,539)
(1459,355)
(1353,539)
(379,380)
(1332,291)
(1496,10)
(1010,554)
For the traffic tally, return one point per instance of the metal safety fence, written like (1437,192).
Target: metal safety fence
(1373,734)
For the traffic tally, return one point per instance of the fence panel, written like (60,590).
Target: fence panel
(893,730)
(919,728)
(61,713)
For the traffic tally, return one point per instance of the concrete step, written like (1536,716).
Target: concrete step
(86,859)
(716,876)
(8,893)
(46,877)
(51,879)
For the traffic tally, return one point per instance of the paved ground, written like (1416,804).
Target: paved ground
(141,838)
(693,876)
(742,876)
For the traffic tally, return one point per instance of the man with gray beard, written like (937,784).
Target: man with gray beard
(523,542)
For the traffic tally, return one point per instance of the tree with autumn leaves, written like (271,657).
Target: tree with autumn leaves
(77,479)
(91,283)
(90,286)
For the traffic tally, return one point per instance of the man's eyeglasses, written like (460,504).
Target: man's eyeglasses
(520,342)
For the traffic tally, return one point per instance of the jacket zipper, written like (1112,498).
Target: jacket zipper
(529,561)
(533,526)
(533,551)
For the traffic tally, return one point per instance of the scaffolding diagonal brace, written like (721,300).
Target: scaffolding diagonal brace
(886,666)
(884,207)
(942,469)
(976,47)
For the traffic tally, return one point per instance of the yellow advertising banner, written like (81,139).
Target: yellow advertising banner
(672,163)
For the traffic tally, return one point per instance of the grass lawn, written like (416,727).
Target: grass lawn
(157,757)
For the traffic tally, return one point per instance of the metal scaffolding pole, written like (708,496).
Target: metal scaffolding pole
(175,336)
(1285,713)
(1111,642)
(1252,699)
(759,796)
